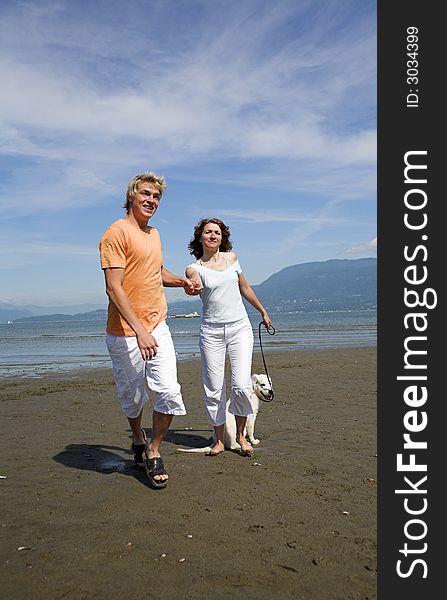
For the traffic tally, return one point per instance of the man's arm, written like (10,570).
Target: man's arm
(114,289)
(170,280)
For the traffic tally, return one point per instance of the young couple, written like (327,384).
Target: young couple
(139,340)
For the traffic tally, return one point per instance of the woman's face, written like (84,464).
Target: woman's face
(211,237)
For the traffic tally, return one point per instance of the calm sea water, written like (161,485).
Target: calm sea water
(33,349)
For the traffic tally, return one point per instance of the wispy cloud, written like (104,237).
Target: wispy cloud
(231,90)
(297,235)
(260,112)
(363,247)
(286,216)
(31,252)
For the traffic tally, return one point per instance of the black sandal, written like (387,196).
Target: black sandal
(139,451)
(155,466)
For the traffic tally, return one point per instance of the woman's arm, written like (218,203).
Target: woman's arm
(251,297)
(194,277)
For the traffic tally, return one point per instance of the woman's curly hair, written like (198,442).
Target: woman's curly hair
(195,245)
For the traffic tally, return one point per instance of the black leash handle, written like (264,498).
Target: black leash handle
(271,331)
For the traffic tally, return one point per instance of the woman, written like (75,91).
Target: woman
(225,326)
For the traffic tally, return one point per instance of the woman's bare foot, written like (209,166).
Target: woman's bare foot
(216,449)
(245,446)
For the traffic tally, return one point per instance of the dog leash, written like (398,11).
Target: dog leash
(271,331)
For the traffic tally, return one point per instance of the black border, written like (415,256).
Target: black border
(402,129)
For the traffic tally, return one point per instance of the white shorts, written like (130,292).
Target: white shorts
(134,377)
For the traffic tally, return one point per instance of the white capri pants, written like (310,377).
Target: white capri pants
(134,377)
(215,340)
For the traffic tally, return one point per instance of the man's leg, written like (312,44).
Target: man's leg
(160,426)
(135,425)
(128,370)
(161,377)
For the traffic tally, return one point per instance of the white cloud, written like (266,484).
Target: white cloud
(256,104)
(84,178)
(370,246)
(272,216)
(225,94)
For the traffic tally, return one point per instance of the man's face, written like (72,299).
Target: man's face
(145,202)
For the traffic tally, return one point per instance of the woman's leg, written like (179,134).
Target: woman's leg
(219,445)
(240,350)
(240,437)
(212,351)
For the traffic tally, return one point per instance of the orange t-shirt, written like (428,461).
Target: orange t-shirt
(138,252)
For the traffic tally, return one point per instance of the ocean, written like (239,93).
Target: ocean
(34,349)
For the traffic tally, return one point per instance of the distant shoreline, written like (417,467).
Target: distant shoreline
(34,348)
(334,284)
(81,317)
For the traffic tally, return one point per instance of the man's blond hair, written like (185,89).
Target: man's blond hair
(148,177)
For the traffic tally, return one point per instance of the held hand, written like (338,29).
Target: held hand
(197,282)
(188,285)
(193,286)
(147,344)
(193,293)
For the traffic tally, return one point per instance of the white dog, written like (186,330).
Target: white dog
(262,390)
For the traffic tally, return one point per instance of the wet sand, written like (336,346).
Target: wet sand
(296,520)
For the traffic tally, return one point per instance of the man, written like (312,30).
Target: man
(138,338)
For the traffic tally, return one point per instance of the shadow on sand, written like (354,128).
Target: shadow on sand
(110,459)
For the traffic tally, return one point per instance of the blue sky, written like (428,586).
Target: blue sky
(260,113)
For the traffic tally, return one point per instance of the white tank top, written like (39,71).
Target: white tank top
(221,297)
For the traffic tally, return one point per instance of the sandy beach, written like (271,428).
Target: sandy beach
(296,520)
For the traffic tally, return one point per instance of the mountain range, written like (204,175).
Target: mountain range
(338,284)
(315,286)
